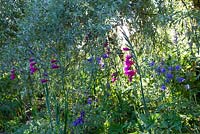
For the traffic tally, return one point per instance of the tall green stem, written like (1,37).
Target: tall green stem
(66,103)
(146,111)
(48,105)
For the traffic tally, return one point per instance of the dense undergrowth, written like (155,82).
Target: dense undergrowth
(95,66)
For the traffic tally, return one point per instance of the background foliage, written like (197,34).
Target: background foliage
(77,46)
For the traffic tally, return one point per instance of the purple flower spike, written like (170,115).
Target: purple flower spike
(82,113)
(79,120)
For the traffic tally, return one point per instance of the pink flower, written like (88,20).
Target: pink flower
(33,70)
(128,56)
(129,63)
(12,71)
(12,76)
(32,63)
(114,74)
(31,59)
(130,79)
(130,73)
(105,44)
(54,66)
(108,50)
(113,79)
(126,49)
(127,67)
(53,61)
(44,81)
(32,67)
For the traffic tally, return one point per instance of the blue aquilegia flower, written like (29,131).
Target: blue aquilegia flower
(90,59)
(178,67)
(170,68)
(158,70)
(152,63)
(180,79)
(98,59)
(105,56)
(163,87)
(167,80)
(187,86)
(169,76)
(162,70)
(89,101)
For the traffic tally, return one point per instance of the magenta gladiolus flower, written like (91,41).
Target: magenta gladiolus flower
(127,68)
(113,79)
(129,63)
(130,73)
(114,74)
(12,71)
(130,79)
(108,50)
(32,63)
(43,81)
(32,67)
(54,66)
(12,75)
(128,56)
(33,70)
(31,59)
(105,44)
(126,49)
(53,61)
